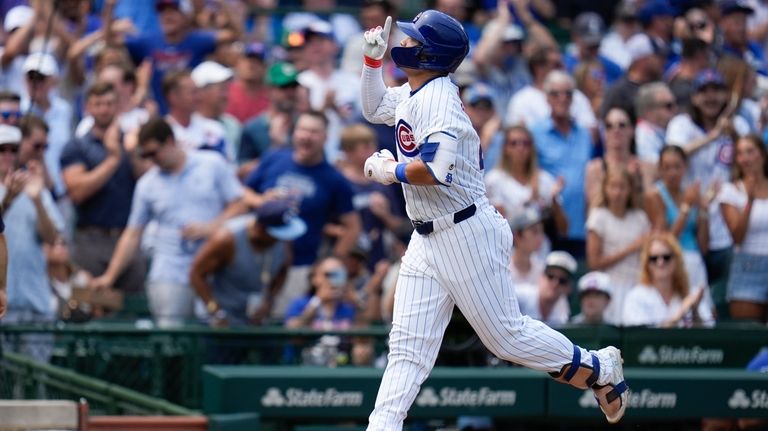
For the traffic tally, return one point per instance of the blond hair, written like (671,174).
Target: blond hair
(356,134)
(633,200)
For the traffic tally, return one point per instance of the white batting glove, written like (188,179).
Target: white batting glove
(380,167)
(375,44)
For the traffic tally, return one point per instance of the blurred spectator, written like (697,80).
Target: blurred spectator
(464,12)
(246,261)
(375,202)
(178,47)
(212,81)
(733,26)
(586,34)
(10,108)
(499,56)
(681,211)
(124,80)
(518,183)
(617,227)
(696,24)
(188,195)
(625,25)
(272,129)
(706,133)
(343,25)
(248,96)
(191,130)
(694,59)
(744,204)
(479,106)
(655,106)
(529,105)
(657,19)
(663,296)
(618,155)
(142,14)
(41,72)
(740,80)
(594,297)
(100,172)
(324,306)
(302,173)
(547,301)
(590,80)
(646,66)
(32,220)
(34,143)
(563,148)
(527,264)
(18,20)
(331,90)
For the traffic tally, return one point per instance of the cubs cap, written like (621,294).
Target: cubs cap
(708,77)
(562,260)
(595,281)
(280,218)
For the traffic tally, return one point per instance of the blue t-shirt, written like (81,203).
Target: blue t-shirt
(566,156)
(372,238)
(323,194)
(167,57)
(110,206)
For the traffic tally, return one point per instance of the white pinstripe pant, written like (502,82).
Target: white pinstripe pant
(466,265)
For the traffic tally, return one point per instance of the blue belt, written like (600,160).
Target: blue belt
(427,227)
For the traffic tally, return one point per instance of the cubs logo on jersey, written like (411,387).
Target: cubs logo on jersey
(405,139)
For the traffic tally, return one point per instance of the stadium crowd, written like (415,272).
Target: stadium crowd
(209,154)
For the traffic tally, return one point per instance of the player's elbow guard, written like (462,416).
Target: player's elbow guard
(438,152)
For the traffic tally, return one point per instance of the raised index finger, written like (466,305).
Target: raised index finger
(387,26)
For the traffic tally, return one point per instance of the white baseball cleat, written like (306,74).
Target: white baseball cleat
(611,392)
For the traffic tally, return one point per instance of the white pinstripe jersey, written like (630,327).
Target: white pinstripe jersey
(433,108)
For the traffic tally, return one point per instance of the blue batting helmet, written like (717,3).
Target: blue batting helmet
(443,43)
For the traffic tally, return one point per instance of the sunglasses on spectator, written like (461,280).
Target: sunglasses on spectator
(148,154)
(9,149)
(519,143)
(667,105)
(8,115)
(663,258)
(561,281)
(559,93)
(621,125)
(36,76)
(698,25)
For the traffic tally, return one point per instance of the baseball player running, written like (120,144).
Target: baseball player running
(461,249)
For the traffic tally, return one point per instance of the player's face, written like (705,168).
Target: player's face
(409,42)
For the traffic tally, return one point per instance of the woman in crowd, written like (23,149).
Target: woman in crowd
(517,183)
(616,231)
(682,211)
(744,204)
(663,297)
(590,80)
(617,141)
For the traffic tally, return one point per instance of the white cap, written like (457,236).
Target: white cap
(639,46)
(17,16)
(210,72)
(42,63)
(562,260)
(9,135)
(595,281)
